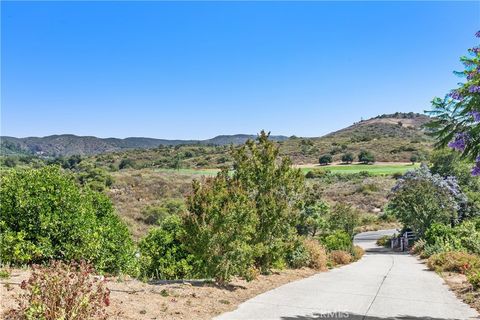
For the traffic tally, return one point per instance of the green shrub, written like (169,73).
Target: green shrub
(338,240)
(462,237)
(4,274)
(474,278)
(431,249)
(157,213)
(162,253)
(298,256)
(45,215)
(220,227)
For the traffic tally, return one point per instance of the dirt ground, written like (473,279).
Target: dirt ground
(459,284)
(132,299)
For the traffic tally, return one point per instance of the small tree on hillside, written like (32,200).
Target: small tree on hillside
(413,158)
(347,158)
(366,157)
(325,159)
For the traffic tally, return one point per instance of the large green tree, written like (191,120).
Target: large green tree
(277,192)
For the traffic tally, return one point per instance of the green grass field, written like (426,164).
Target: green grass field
(375,169)
(371,168)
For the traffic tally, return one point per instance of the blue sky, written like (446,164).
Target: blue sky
(199,69)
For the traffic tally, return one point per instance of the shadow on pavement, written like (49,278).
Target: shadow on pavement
(352,316)
(380,250)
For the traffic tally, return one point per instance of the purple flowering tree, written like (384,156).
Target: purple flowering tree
(457,116)
(421,198)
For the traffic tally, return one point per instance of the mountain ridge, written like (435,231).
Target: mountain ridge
(404,130)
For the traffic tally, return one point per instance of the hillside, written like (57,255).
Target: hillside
(68,144)
(390,137)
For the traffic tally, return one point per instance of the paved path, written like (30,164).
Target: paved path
(382,285)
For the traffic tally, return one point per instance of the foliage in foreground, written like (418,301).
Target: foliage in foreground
(457,116)
(62,291)
(45,215)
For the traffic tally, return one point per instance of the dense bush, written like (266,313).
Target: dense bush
(313,217)
(220,227)
(162,253)
(420,199)
(298,256)
(465,236)
(62,291)
(155,214)
(338,240)
(45,215)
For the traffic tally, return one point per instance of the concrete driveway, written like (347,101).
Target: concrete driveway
(382,285)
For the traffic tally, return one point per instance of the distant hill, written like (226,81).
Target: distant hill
(68,144)
(390,137)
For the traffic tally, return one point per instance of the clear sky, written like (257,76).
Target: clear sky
(199,69)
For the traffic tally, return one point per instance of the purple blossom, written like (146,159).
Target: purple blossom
(448,184)
(474,89)
(476,116)
(475,50)
(471,74)
(476,169)
(454,94)
(459,142)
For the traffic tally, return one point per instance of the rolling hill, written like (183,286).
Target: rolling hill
(391,137)
(69,144)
